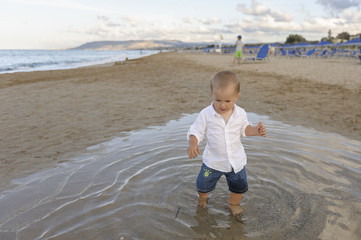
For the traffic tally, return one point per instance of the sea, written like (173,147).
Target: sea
(40,60)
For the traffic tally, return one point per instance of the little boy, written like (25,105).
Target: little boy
(223,123)
(239,48)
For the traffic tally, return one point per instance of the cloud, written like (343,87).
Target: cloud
(335,6)
(260,10)
(103,18)
(132,20)
(67,4)
(259,21)
(280,16)
(258,24)
(210,21)
(256,10)
(339,4)
(317,25)
(187,20)
(135,27)
(269,24)
(351,16)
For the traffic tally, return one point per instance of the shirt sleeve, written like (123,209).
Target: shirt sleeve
(244,124)
(198,128)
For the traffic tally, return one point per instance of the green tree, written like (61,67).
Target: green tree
(324,39)
(344,36)
(294,38)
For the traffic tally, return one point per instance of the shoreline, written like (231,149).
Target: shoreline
(70,61)
(49,117)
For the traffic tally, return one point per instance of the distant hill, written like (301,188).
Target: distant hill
(136,44)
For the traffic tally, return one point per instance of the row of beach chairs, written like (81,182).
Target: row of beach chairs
(263,53)
(323,53)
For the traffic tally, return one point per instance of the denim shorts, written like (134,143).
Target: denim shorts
(208,178)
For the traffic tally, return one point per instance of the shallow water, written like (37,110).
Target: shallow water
(303,184)
(39,60)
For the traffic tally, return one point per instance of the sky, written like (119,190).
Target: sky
(61,24)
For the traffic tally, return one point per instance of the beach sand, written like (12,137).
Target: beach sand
(48,117)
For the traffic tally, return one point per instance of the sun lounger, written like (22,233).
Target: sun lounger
(291,53)
(261,56)
(324,53)
(333,52)
(310,52)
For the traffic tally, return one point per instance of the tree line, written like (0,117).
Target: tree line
(296,38)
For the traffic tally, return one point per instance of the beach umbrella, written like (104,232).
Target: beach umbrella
(341,44)
(325,43)
(275,45)
(252,46)
(355,41)
(302,44)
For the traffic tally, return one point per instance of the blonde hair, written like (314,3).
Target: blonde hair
(223,79)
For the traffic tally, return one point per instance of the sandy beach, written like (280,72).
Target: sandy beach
(49,117)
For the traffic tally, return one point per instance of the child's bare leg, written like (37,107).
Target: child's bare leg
(202,199)
(234,199)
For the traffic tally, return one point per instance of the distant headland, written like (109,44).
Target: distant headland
(137,44)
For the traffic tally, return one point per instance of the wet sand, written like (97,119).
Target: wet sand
(50,116)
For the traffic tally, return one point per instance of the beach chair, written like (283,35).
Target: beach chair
(324,53)
(294,53)
(332,53)
(291,53)
(261,56)
(310,52)
(298,53)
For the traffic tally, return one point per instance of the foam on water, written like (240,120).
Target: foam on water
(303,185)
(40,60)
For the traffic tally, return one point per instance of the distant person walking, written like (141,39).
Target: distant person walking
(239,48)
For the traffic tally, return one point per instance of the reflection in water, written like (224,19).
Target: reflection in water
(303,185)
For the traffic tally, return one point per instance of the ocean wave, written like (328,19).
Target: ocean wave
(39,60)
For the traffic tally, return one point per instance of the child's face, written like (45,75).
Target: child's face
(224,99)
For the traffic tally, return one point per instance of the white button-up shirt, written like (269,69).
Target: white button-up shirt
(224,149)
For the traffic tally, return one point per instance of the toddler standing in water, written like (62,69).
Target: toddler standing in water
(223,123)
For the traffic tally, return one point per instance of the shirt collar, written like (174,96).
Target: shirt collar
(213,111)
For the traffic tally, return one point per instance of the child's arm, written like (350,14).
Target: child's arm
(193,149)
(258,130)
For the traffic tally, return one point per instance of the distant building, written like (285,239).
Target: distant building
(338,40)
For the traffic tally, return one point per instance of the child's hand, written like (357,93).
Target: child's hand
(261,130)
(193,150)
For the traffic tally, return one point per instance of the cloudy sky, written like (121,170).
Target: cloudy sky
(53,24)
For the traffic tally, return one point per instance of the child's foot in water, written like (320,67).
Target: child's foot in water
(235,209)
(202,202)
